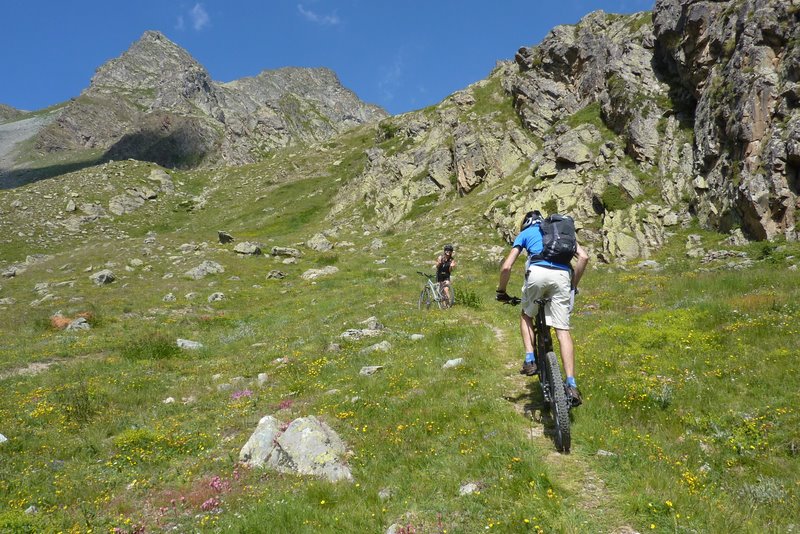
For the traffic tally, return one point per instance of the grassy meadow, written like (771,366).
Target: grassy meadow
(689,424)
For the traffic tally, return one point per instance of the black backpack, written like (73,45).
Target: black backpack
(559,242)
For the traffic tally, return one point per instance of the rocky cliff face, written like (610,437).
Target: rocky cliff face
(632,124)
(156,103)
(739,64)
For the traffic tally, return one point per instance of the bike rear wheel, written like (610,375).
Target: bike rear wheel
(425,299)
(559,406)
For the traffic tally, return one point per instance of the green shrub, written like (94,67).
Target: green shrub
(466,296)
(151,347)
(16,522)
(78,403)
(615,198)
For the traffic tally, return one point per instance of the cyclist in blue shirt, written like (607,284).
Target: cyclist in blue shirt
(545,279)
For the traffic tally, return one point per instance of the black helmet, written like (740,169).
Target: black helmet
(530,218)
(448,247)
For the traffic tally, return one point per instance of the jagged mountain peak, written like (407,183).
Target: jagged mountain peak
(156,102)
(149,63)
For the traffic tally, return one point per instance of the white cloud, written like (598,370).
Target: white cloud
(392,75)
(200,18)
(180,25)
(322,20)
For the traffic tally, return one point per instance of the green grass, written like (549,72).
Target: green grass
(687,373)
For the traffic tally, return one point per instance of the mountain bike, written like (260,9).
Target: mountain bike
(432,292)
(550,379)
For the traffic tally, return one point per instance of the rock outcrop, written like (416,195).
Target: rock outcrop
(632,124)
(738,65)
(157,103)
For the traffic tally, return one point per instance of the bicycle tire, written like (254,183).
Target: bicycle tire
(452,296)
(559,406)
(439,297)
(425,299)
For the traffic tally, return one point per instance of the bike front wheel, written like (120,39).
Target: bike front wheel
(559,406)
(425,299)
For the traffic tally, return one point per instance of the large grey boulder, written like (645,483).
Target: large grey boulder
(261,443)
(307,447)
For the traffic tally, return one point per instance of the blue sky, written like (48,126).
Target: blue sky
(401,55)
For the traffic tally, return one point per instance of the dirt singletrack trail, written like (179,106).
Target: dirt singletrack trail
(572,471)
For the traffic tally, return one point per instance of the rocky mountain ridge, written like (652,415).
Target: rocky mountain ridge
(632,124)
(7,113)
(157,103)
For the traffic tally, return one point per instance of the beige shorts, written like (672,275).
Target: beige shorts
(554,284)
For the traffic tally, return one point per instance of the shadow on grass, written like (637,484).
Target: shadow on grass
(535,408)
(19,177)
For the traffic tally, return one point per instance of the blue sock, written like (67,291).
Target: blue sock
(529,357)
(571,381)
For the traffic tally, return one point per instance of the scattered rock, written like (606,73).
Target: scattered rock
(216,297)
(169,400)
(247,248)
(285,251)
(262,379)
(122,204)
(650,264)
(354,334)
(204,269)
(383,346)
(417,337)
(313,274)
(79,324)
(276,275)
(468,489)
(224,237)
(370,370)
(169,297)
(372,323)
(188,344)
(31,510)
(319,243)
(103,277)
(450,364)
(3,439)
(604,453)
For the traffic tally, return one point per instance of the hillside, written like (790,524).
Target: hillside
(135,417)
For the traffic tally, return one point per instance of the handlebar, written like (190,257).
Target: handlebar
(430,276)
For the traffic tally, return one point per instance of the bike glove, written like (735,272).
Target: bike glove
(502,296)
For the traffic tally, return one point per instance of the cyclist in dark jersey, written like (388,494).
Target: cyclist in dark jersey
(445,264)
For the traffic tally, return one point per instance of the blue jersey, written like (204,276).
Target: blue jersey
(531,240)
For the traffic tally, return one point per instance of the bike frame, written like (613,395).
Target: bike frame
(434,288)
(544,344)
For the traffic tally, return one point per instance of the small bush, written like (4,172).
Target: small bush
(78,403)
(468,297)
(151,347)
(615,198)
